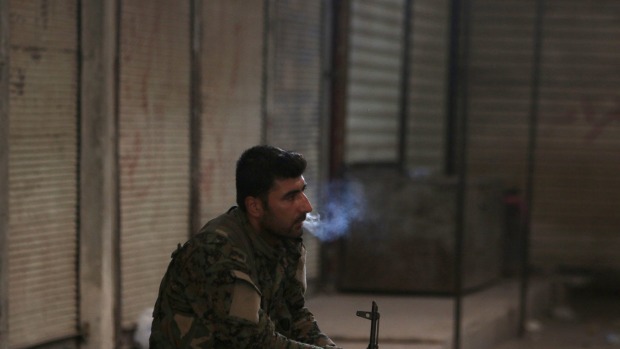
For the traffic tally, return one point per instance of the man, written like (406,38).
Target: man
(240,282)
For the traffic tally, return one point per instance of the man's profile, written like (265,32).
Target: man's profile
(240,282)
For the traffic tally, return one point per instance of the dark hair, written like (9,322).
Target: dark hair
(258,168)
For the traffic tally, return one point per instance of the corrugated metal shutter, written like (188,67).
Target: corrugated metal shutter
(575,213)
(232,47)
(294,91)
(375,61)
(499,77)
(43,133)
(154,145)
(427,86)
(574,220)
(500,82)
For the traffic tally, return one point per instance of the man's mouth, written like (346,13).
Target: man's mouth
(301,219)
(299,223)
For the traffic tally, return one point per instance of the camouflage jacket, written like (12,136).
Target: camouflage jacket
(214,281)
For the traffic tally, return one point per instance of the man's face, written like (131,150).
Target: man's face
(287,206)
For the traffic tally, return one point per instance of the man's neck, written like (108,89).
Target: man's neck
(269,237)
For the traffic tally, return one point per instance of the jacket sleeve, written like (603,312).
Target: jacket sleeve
(305,326)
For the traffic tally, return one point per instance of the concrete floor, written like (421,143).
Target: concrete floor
(490,319)
(590,319)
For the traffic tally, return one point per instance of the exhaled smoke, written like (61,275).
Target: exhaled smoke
(343,203)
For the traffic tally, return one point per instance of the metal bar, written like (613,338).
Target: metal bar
(99,235)
(78,104)
(326,36)
(341,10)
(265,85)
(531,161)
(116,235)
(404,85)
(451,109)
(452,92)
(458,106)
(195,114)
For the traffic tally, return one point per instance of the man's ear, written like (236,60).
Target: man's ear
(254,206)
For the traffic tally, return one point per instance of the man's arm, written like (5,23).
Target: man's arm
(305,327)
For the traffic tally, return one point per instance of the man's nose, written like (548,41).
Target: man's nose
(306,206)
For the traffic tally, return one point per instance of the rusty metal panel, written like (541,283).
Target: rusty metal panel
(43,141)
(374,78)
(232,51)
(154,115)
(425,152)
(293,92)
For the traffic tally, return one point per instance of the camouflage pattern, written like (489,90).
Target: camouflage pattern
(195,295)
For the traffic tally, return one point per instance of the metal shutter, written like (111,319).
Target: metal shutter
(43,138)
(293,103)
(232,47)
(427,86)
(373,87)
(500,82)
(575,213)
(154,116)
(574,220)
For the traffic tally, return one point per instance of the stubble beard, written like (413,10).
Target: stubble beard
(293,232)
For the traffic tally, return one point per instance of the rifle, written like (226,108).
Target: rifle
(373,316)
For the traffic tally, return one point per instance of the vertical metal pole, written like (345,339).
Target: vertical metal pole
(404,85)
(531,161)
(452,92)
(337,69)
(4,173)
(339,75)
(458,133)
(99,199)
(78,229)
(196,114)
(116,237)
(324,91)
(451,109)
(267,55)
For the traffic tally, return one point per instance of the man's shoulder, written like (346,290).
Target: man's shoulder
(219,242)
(224,238)
(230,226)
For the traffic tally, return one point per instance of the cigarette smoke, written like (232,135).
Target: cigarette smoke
(343,203)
